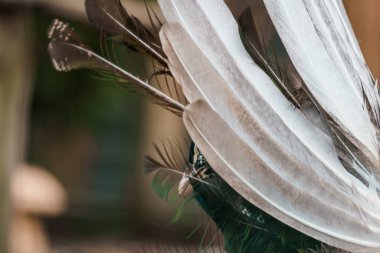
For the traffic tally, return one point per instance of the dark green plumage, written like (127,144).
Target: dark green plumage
(246,229)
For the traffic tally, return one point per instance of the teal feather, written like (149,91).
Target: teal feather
(245,228)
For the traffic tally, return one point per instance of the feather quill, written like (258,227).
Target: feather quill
(68,52)
(110,16)
(256,49)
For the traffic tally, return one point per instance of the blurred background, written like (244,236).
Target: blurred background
(72,144)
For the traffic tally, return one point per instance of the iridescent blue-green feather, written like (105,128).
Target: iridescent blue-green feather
(245,228)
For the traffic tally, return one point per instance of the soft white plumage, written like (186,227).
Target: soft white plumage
(256,140)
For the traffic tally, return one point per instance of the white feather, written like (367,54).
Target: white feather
(256,140)
(325,57)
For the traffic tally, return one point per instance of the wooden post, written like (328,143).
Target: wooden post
(15,84)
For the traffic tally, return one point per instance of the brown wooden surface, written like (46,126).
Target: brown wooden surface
(365,19)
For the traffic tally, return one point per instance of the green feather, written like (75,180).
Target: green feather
(245,228)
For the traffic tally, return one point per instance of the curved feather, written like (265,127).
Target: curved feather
(256,180)
(355,156)
(324,54)
(256,140)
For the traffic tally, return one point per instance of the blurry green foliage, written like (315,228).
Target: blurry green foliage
(86,131)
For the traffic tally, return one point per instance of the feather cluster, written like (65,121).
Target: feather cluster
(279,100)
